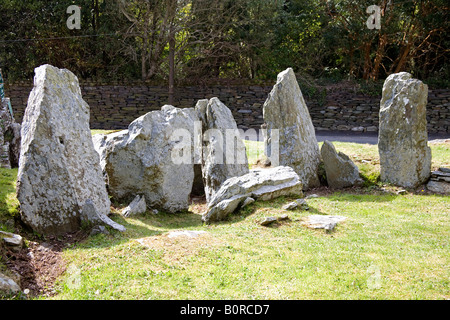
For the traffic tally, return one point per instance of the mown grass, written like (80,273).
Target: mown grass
(390,247)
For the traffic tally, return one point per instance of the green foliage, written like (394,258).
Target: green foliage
(245,39)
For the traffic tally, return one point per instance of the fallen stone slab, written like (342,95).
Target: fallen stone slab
(324,222)
(259,184)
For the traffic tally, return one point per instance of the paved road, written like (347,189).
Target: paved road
(359,137)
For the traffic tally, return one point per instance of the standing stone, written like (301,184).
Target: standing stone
(59,168)
(154,158)
(405,158)
(224,153)
(340,170)
(286,110)
(9,137)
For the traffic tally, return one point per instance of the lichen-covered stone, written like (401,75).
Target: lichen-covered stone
(58,167)
(141,160)
(9,137)
(286,110)
(224,153)
(262,184)
(405,158)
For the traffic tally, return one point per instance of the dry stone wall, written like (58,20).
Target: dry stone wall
(115,106)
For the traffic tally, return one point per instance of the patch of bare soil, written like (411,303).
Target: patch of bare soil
(38,265)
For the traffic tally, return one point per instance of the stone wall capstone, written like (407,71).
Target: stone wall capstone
(115,106)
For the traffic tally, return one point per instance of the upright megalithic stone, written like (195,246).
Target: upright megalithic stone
(285,110)
(59,169)
(223,151)
(145,159)
(405,158)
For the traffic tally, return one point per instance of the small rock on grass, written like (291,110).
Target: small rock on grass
(11,240)
(297,204)
(269,220)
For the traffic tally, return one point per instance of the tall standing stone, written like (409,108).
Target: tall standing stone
(224,154)
(405,158)
(286,110)
(59,169)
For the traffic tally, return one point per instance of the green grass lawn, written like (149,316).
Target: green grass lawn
(390,247)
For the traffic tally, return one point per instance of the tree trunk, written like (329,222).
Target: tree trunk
(171,65)
(379,57)
(403,58)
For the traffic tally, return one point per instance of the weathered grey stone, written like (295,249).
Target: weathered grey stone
(224,153)
(11,240)
(247,202)
(324,222)
(405,158)
(8,285)
(340,170)
(438,187)
(137,206)
(440,175)
(297,204)
(268,220)
(445,170)
(9,137)
(262,184)
(58,168)
(285,110)
(89,213)
(154,158)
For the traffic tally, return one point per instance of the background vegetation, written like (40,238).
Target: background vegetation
(176,41)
